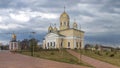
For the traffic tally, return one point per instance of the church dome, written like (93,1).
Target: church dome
(13,36)
(64,15)
(55,29)
(75,25)
(50,29)
(64,21)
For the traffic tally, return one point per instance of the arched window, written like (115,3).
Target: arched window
(61,23)
(76,44)
(50,43)
(54,44)
(68,44)
(64,23)
(61,45)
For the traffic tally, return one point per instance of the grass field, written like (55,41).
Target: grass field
(106,56)
(56,55)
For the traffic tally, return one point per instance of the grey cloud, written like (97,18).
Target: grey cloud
(104,15)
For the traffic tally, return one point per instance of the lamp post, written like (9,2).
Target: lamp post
(32,44)
(62,46)
(80,45)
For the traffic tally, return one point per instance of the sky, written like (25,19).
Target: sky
(100,19)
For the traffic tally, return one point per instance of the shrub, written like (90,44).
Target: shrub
(52,53)
(107,53)
(99,53)
(112,55)
(72,60)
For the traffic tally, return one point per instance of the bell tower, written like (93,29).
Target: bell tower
(64,20)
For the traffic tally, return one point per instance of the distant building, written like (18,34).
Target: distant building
(13,45)
(65,37)
(106,48)
(118,48)
(98,47)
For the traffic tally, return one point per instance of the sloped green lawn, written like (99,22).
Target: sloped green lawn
(56,55)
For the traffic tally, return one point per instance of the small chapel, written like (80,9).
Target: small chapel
(65,36)
(13,45)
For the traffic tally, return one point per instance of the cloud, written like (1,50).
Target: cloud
(0,19)
(20,17)
(98,18)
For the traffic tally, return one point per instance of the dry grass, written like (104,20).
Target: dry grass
(103,56)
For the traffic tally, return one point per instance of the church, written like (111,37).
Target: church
(13,45)
(64,37)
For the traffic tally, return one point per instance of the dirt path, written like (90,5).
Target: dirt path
(10,60)
(93,62)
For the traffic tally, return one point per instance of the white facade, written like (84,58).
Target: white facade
(13,45)
(51,41)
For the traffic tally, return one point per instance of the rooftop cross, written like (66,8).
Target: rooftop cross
(64,8)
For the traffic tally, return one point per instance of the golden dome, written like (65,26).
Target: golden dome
(55,29)
(13,36)
(50,29)
(64,15)
(75,25)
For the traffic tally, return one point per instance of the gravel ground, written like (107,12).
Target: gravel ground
(10,60)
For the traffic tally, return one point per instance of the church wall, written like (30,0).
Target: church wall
(71,43)
(44,44)
(66,32)
(67,41)
(70,33)
(71,36)
(81,35)
(58,41)
(73,39)
(78,33)
(13,45)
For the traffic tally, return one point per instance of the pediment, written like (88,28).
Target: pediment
(52,35)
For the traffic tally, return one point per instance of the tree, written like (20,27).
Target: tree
(33,44)
(87,46)
(96,47)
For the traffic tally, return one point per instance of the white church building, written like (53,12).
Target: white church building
(13,45)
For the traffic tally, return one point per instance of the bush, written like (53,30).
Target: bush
(107,53)
(112,55)
(75,48)
(72,60)
(98,53)
(49,50)
(52,53)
